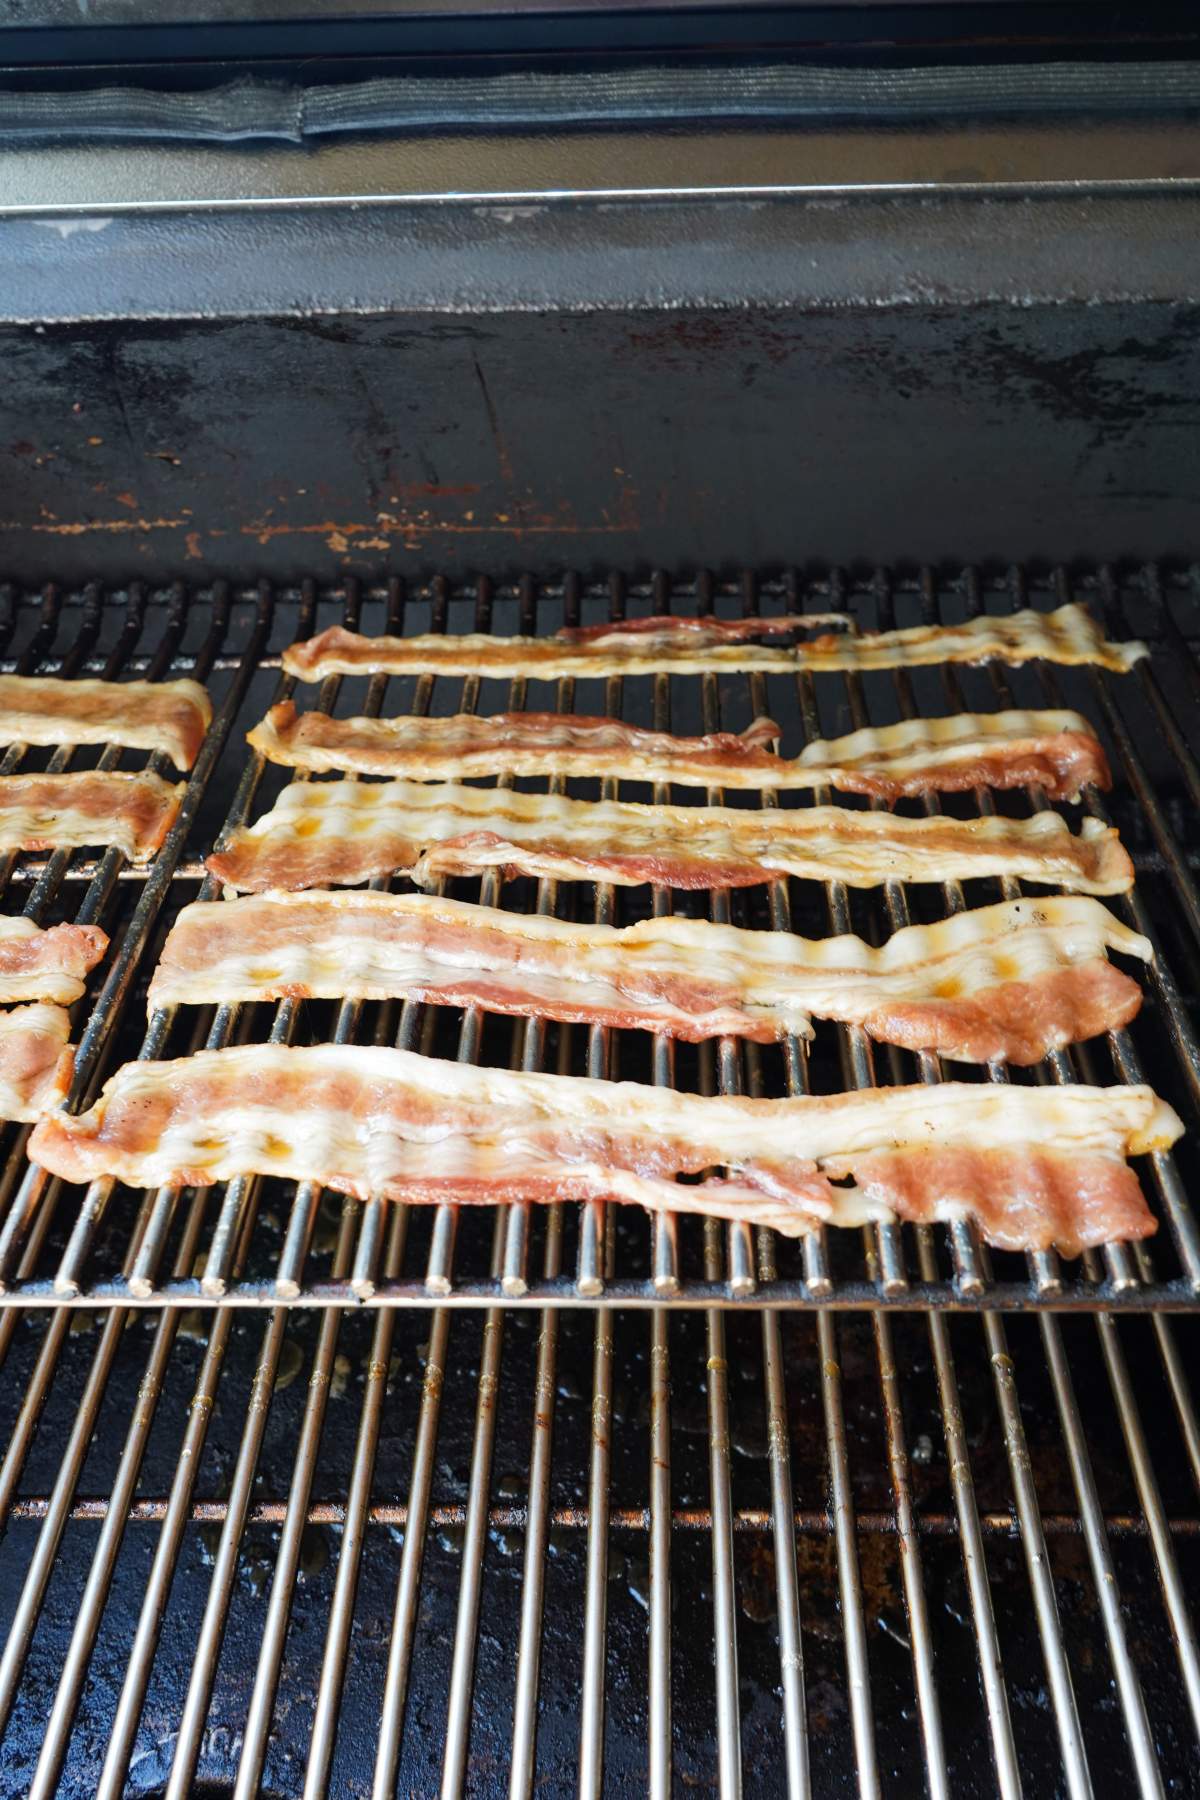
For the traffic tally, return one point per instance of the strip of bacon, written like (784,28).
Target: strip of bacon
(696,646)
(705,626)
(390,1123)
(93,806)
(47,963)
(36,1061)
(1059,750)
(344,832)
(1007,981)
(171,716)
(1055,750)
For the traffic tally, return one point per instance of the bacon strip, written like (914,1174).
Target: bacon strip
(171,716)
(1059,750)
(344,832)
(40,963)
(373,1121)
(94,806)
(695,646)
(36,1062)
(702,628)
(1007,981)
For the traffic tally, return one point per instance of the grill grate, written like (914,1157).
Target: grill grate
(401,1546)
(254,1241)
(334,1550)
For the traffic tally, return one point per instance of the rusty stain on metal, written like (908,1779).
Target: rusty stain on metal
(812,1521)
(81,527)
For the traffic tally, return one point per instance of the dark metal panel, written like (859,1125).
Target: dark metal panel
(866,251)
(58,31)
(678,437)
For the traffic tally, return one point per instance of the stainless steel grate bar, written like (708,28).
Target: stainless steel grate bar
(1049,1284)
(51,1265)
(1045,1272)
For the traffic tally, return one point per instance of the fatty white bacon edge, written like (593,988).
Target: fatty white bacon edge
(1006,981)
(344,832)
(1033,1166)
(134,812)
(36,1061)
(695,646)
(47,962)
(1057,750)
(171,716)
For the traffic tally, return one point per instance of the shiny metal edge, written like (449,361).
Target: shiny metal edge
(509,169)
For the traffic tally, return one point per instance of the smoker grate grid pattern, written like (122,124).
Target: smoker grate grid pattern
(397,1552)
(255,1240)
(377,1541)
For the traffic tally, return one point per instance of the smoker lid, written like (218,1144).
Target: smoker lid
(59,34)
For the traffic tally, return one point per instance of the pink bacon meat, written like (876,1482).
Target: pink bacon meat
(389,1123)
(47,962)
(36,1061)
(345,832)
(696,646)
(67,812)
(1058,750)
(1007,981)
(171,716)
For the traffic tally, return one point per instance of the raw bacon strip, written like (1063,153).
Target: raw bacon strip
(66,812)
(171,716)
(39,963)
(1059,750)
(694,646)
(1011,980)
(35,1061)
(345,832)
(1021,1199)
(530,743)
(389,1123)
(704,628)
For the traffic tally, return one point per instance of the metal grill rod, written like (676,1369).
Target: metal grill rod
(529,1642)
(241,1197)
(861,1061)
(967,1272)
(295,1518)
(594,1268)
(791,1644)
(1059,1068)
(341,1612)
(29,1605)
(664,1264)
(1024,1491)
(400,1648)
(466,1629)
(1153,1511)
(300,1226)
(150,1619)
(748,1521)
(36,1188)
(1133,1705)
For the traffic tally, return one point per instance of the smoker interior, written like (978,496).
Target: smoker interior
(274,1516)
(633,1596)
(254,1243)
